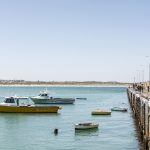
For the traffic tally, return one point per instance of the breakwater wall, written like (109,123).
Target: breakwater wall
(140,106)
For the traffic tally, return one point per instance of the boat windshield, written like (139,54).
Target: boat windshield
(44,94)
(9,100)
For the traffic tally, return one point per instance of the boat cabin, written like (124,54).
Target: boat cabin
(43,94)
(9,100)
(13,101)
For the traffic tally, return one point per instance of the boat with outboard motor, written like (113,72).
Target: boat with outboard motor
(44,98)
(11,105)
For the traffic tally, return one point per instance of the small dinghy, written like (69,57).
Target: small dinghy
(82,98)
(119,109)
(86,126)
(101,112)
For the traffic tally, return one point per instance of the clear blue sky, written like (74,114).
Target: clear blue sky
(102,40)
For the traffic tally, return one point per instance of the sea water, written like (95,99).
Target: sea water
(35,131)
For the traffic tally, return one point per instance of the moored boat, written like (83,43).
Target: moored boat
(119,109)
(82,98)
(86,126)
(29,109)
(101,112)
(11,105)
(44,98)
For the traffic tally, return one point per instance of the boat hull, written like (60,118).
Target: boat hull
(119,109)
(101,112)
(53,101)
(28,109)
(86,127)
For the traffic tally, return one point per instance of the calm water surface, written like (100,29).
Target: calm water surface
(35,131)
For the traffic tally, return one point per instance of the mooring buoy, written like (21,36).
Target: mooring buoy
(56,131)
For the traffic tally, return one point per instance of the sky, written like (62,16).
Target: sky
(74,40)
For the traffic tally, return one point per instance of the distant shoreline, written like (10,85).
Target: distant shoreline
(23,83)
(64,85)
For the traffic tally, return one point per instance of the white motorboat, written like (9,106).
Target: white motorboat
(44,98)
(85,126)
(119,109)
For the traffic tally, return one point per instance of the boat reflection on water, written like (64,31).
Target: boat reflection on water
(89,132)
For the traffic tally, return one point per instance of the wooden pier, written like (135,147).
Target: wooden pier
(140,104)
